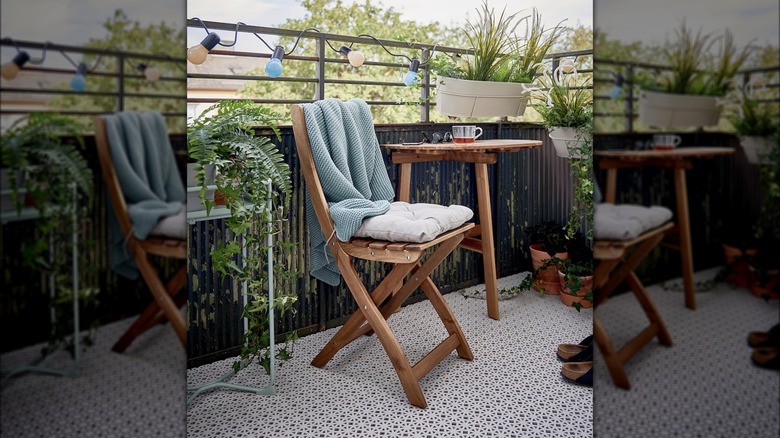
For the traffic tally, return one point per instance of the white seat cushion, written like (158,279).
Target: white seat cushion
(418,223)
(626,221)
(173,227)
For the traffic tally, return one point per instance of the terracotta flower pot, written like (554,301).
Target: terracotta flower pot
(737,266)
(768,288)
(547,280)
(569,299)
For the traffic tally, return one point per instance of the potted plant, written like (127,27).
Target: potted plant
(576,277)
(765,264)
(246,164)
(495,81)
(567,114)
(755,125)
(548,249)
(765,270)
(687,95)
(42,155)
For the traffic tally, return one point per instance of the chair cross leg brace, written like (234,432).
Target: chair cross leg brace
(354,328)
(614,358)
(153,314)
(376,318)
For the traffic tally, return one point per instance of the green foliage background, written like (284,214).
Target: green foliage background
(127,35)
(333,16)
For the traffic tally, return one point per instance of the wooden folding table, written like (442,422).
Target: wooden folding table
(481,153)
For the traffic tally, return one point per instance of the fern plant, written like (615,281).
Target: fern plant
(247,164)
(42,151)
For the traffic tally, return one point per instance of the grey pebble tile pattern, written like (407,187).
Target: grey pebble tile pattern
(513,388)
(705,384)
(139,393)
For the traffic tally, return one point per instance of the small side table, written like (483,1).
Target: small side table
(480,153)
(678,159)
(34,365)
(221,212)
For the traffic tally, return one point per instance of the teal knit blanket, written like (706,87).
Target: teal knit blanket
(147,172)
(352,173)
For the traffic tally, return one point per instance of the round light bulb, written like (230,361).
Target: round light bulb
(567,66)
(356,58)
(615,92)
(410,77)
(152,74)
(9,71)
(197,54)
(274,68)
(78,82)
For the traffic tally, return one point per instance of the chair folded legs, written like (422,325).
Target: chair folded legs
(616,266)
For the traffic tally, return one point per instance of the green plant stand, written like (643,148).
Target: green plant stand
(34,366)
(221,382)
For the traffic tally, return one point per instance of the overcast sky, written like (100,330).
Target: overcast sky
(653,21)
(272,13)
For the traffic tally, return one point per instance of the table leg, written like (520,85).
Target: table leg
(488,247)
(611,185)
(686,251)
(404,182)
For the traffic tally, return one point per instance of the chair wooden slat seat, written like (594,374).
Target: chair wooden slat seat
(376,307)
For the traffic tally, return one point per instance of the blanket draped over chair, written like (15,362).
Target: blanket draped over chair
(352,172)
(150,180)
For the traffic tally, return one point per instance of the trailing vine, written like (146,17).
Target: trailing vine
(247,164)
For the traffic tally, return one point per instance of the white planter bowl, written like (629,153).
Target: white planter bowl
(666,110)
(756,148)
(563,138)
(464,98)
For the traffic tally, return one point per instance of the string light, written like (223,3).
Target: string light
(11,69)
(617,89)
(79,81)
(274,68)
(355,57)
(197,54)
(411,75)
(152,74)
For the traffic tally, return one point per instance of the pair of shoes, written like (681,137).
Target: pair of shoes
(580,373)
(581,352)
(765,339)
(766,357)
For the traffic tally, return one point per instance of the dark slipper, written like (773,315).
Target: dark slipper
(765,339)
(566,351)
(580,373)
(767,357)
(583,356)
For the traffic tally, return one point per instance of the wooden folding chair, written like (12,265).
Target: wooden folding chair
(373,311)
(168,298)
(616,265)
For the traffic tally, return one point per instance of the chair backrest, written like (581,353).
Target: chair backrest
(110,177)
(303,145)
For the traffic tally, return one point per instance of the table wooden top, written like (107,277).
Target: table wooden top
(478,146)
(676,153)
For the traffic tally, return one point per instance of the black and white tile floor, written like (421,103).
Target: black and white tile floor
(139,393)
(512,388)
(704,385)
